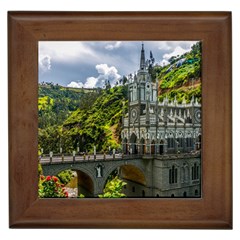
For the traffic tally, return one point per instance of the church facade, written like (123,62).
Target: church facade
(163,130)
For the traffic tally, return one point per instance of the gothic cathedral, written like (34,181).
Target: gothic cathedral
(153,127)
(168,133)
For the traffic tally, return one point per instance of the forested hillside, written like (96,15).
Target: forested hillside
(55,104)
(82,118)
(182,77)
(73,118)
(100,124)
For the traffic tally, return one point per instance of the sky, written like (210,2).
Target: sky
(89,63)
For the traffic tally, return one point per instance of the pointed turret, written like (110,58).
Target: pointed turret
(175,101)
(192,100)
(142,59)
(184,101)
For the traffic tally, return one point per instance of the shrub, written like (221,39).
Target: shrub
(50,187)
(65,176)
(113,189)
(40,171)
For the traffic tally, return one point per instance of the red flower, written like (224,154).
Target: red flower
(42,177)
(66,194)
(55,179)
(48,178)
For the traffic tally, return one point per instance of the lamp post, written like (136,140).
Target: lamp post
(51,156)
(94,152)
(114,153)
(74,156)
(60,150)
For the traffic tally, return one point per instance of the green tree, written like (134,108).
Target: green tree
(113,189)
(65,176)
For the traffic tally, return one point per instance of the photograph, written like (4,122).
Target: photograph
(119,119)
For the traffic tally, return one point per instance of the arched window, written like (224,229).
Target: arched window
(185,194)
(173,175)
(157,195)
(131,94)
(186,177)
(189,142)
(182,175)
(172,195)
(195,172)
(133,144)
(143,193)
(153,147)
(133,189)
(134,97)
(170,142)
(161,149)
(180,142)
(125,146)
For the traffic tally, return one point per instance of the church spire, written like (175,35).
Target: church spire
(142,59)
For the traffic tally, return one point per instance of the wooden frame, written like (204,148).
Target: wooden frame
(213,210)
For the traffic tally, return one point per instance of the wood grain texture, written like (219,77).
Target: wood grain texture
(213,210)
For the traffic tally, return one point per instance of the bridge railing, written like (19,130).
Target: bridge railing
(61,158)
(58,158)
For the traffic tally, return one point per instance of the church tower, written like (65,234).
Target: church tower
(142,103)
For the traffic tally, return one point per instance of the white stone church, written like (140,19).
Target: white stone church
(153,127)
(167,132)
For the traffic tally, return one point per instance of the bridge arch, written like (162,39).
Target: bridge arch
(132,171)
(86,180)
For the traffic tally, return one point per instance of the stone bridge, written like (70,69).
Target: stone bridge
(93,174)
(98,171)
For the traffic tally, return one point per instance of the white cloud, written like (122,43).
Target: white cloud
(64,60)
(44,63)
(112,46)
(75,84)
(177,51)
(66,51)
(164,62)
(91,82)
(105,72)
(174,49)
(164,46)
